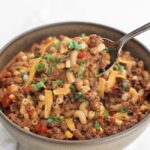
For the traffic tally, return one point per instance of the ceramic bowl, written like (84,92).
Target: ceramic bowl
(36,142)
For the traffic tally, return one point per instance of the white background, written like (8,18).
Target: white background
(17,16)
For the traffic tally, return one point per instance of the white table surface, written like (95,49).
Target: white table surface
(17,16)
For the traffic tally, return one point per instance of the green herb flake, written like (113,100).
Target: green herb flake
(54,118)
(57,83)
(82,100)
(83,34)
(48,70)
(82,63)
(106,113)
(97,125)
(41,84)
(58,44)
(55,45)
(120,68)
(57,61)
(43,80)
(80,73)
(40,66)
(124,85)
(96,74)
(107,49)
(102,69)
(75,45)
(34,87)
(77,95)
(123,110)
(48,57)
(73,89)
(71,70)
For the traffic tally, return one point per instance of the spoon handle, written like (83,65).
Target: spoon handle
(132,34)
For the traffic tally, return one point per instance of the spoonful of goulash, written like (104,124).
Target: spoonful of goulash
(115,48)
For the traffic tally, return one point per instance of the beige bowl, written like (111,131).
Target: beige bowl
(36,142)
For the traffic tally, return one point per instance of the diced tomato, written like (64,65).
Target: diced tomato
(26,89)
(115,87)
(102,64)
(41,128)
(82,54)
(5,101)
(78,103)
(112,122)
(30,112)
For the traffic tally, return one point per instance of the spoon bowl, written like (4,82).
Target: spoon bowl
(115,47)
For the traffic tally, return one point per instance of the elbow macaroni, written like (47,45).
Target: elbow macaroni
(133,95)
(83,107)
(79,114)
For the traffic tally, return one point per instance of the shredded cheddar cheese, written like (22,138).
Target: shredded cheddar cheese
(111,80)
(48,102)
(101,87)
(70,124)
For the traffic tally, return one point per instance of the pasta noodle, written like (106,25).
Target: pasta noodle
(73,57)
(134,95)
(62,91)
(79,114)
(70,77)
(83,107)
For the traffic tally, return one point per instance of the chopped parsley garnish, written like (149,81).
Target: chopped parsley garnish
(71,70)
(57,61)
(120,68)
(82,62)
(96,74)
(106,113)
(43,80)
(107,49)
(123,110)
(73,89)
(48,70)
(40,84)
(82,100)
(75,45)
(83,34)
(57,83)
(34,87)
(54,118)
(77,95)
(40,66)
(124,85)
(80,73)
(58,44)
(48,57)
(97,125)
(102,69)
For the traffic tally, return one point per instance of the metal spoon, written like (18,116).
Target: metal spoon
(116,47)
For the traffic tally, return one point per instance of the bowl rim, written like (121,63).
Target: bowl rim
(90,141)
